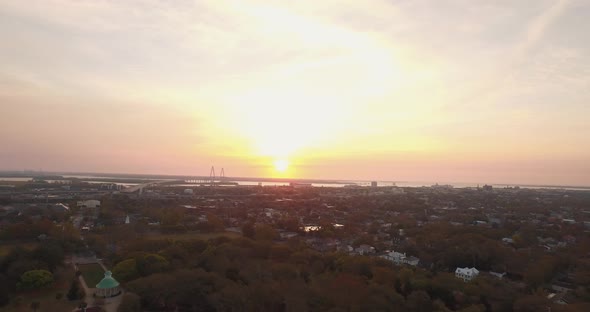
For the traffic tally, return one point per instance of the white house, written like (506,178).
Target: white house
(413,261)
(400,258)
(498,275)
(90,203)
(466,274)
(364,249)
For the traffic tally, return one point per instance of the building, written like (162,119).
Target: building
(498,275)
(108,286)
(401,258)
(466,274)
(90,203)
(364,249)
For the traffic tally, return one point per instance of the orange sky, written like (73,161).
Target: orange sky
(459,91)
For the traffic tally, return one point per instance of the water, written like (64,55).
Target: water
(117,180)
(13,179)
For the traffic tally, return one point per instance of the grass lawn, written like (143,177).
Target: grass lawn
(187,236)
(92,273)
(46,297)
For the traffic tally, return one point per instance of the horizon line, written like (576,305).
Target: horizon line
(31,173)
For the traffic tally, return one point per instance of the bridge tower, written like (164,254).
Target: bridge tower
(212,175)
(222,174)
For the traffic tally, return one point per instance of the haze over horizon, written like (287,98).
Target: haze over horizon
(453,91)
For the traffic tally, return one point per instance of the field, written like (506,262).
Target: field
(92,273)
(47,296)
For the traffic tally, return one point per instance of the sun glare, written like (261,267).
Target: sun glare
(281,165)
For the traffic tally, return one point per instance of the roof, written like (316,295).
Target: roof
(108,281)
(468,271)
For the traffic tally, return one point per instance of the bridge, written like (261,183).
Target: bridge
(211,180)
(140,187)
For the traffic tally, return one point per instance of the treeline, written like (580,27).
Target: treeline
(23,269)
(251,275)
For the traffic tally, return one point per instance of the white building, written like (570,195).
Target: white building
(401,258)
(466,274)
(364,249)
(90,203)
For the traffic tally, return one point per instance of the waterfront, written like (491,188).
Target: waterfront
(132,180)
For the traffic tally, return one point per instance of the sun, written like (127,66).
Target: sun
(281,165)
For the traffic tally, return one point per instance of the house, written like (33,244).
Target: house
(288,235)
(364,249)
(60,207)
(394,256)
(90,203)
(498,275)
(413,261)
(507,240)
(400,258)
(466,274)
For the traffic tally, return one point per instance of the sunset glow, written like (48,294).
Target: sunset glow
(379,90)
(281,165)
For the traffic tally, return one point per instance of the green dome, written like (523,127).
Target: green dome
(108,281)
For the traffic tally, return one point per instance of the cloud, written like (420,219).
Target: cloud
(536,29)
(358,78)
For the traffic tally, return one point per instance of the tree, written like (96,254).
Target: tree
(75,292)
(35,305)
(35,279)
(531,303)
(4,288)
(214,223)
(126,270)
(265,232)
(130,303)
(343,290)
(151,263)
(540,271)
(51,254)
(419,301)
(248,230)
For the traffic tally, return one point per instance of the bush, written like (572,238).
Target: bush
(130,303)
(35,279)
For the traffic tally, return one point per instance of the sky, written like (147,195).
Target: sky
(442,91)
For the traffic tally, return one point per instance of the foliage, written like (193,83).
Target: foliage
(75,292)
(126,270)
(35,279)
(35,305)
(130,303)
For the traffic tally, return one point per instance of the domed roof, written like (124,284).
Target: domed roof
(108,281)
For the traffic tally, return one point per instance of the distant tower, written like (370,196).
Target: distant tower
(222,174)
